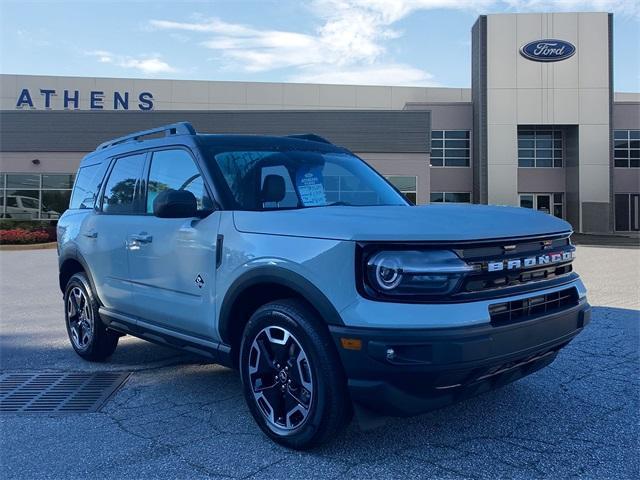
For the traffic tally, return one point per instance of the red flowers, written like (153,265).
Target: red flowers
(21,236)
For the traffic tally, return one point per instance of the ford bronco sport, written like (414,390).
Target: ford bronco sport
(292,260)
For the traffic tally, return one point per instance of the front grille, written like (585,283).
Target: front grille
(489,281)
(531,307)
(485,281)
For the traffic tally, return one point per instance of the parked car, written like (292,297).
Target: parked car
(22,207)
(294,261)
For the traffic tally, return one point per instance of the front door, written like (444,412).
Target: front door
(634,212)
(627,212)
(551,203)
(173,260)
(543,202)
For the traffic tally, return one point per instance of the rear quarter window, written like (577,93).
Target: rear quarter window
(87,185)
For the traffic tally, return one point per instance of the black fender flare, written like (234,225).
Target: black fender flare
(72,253)
(279,276)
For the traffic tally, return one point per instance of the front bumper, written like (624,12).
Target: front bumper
(430,368)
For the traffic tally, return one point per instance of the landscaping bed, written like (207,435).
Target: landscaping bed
(27,233)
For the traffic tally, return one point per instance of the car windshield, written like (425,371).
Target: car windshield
(289,179)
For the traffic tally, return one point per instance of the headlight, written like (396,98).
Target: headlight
(415,273)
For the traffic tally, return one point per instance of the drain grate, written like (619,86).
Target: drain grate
(57,392)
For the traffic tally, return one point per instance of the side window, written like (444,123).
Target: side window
(120,190)
(177,170)
(87,185)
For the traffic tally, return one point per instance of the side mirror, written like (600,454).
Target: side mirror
(175,204)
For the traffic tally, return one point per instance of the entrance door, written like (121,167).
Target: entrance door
(627,210)
(543,202)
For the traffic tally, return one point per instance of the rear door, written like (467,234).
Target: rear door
(173,260)
(103,234)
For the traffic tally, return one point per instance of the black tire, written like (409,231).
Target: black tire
(330,408)
(103,342)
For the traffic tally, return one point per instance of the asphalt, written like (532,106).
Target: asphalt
(177,417)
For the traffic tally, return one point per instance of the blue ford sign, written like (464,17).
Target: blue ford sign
(549,50)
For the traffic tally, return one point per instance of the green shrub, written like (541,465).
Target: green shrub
(28,224)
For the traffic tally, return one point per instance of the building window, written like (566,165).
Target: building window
(626,148)
(450,197)
(545,202)
(450,148)
(407,186)
(627,212)
(34,196)
(541,148)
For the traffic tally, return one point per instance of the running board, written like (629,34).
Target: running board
(217,352)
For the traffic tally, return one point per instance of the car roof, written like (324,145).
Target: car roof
(270,142)
(183,133)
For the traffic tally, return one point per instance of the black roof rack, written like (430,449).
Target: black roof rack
(180,128)
(311,137)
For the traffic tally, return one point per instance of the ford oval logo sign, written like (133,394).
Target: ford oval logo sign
(549,50)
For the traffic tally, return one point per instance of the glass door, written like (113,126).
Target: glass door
(627,212)
(634,214)
(551,203)
(543,202)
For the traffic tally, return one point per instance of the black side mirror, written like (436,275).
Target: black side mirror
(175,204)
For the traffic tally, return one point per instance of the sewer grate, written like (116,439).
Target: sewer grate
(50,392)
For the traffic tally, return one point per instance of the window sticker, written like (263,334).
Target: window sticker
(311,187)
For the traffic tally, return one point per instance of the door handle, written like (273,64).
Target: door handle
(141,238)
(91,234)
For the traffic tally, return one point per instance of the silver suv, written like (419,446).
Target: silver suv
(292,260)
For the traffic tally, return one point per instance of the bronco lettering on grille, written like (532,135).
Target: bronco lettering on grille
(529,262)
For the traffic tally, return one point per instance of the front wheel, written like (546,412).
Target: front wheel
(292,378)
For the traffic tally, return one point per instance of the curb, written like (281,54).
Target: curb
(33,246)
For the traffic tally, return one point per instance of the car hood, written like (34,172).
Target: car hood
(402,223)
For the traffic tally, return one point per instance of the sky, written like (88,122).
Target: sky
(376,42)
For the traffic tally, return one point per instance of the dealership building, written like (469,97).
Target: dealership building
(541,126)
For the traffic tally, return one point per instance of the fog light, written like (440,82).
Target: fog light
(391,354)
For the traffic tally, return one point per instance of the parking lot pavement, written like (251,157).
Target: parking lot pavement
(177,417)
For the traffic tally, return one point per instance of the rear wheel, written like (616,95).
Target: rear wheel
(88,335)
(292,378)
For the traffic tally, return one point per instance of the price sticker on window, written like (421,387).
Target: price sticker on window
(311,187)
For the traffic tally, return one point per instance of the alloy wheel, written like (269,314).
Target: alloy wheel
(281,379)
(80,318)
